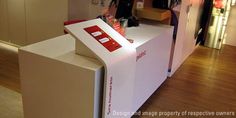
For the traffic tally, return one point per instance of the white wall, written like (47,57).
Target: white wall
(230,29)
(12,21)
(28,21)
(78,9)
(25,22)
(3,21)
(16,21)
(84,9)
(45,19)
(189,39)
(178,49)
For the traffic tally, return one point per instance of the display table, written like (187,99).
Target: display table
(57,83)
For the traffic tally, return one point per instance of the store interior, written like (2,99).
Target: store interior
(108,56)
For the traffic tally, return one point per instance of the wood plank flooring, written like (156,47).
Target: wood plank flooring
(205,82)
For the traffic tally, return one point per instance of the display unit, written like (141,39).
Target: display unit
(65,82)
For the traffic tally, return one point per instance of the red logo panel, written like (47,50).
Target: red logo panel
(103,38)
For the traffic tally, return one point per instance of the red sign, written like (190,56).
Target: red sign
(103,38)
(218,4)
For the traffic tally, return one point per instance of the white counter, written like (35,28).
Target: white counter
(56,82)
(144,33)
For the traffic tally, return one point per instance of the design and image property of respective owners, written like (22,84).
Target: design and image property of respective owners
(180,114)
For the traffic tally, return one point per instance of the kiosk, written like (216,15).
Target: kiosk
(93,71)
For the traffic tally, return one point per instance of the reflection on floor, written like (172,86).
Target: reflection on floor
(10,104)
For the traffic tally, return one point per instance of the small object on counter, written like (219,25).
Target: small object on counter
(118,25)
(133,21)
(131,40)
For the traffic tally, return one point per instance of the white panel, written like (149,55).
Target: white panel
(3,21)
(95,10)
(78,9)
(16,18)
(119,78)
(230,30)
(177,57)
(152,67)
(45,19)
(84,9)
(60,91)
(60,84)
(185,42)
(189,40)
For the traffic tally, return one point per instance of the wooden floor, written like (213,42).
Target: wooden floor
(205,82)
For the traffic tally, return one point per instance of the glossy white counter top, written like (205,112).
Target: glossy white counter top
(145,32)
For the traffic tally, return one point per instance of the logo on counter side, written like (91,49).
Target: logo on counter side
(140,55)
